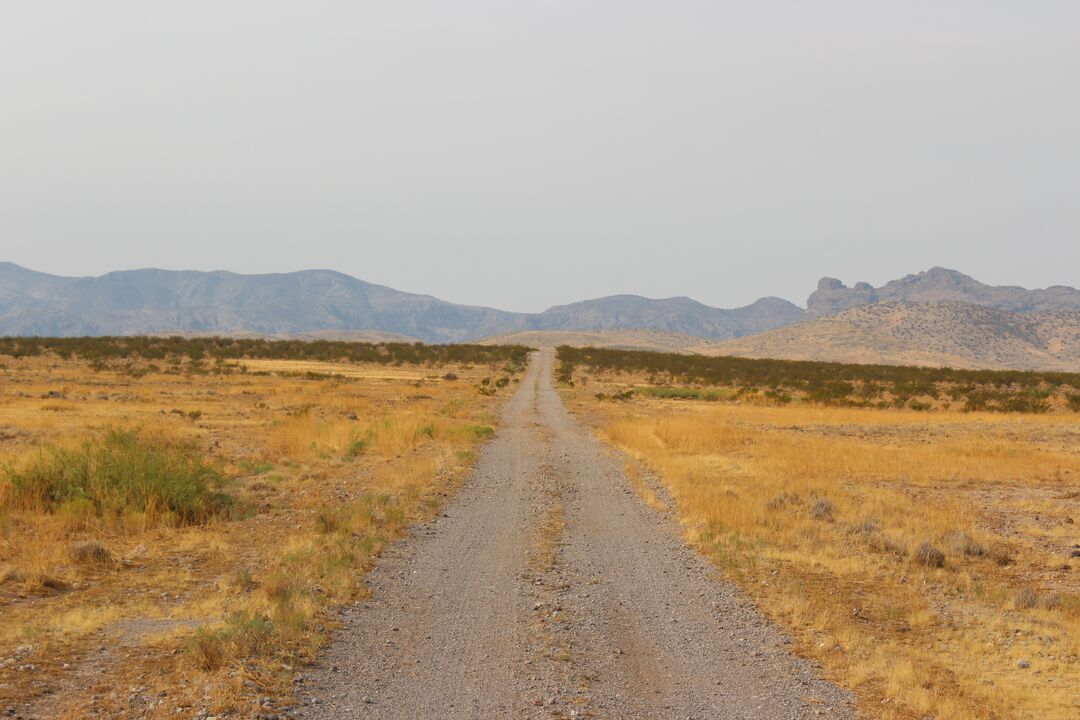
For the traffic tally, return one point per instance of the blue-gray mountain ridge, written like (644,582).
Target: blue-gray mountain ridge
(166,301)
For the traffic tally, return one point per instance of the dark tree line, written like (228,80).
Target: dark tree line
(100,349)
(837,383)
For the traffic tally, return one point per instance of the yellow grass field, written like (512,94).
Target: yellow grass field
(926,559)
(405,373)
(138,613)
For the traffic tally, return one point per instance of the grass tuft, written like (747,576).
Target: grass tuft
(89,552)
(823,509)
(929,556)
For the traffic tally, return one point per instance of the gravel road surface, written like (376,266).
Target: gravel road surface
(548,589)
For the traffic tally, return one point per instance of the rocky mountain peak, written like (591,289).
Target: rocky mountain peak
(939,284)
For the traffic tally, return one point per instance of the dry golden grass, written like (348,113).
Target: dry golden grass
(135,618)
(835,522)
(343,369)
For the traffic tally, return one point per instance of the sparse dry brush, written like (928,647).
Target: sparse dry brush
(925,557)
(124,351)
(201,521)
(696,377)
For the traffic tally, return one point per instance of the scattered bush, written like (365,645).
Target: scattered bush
(680,393)
(114,472)
(330,521)
(1026,599)
(243,580)
(929,556)
(782,501)
(244,635)
(917,388)
(99,351)
(619,396)
(960,543)
(356,448)
(866,527)
(1029,599)
(207,650)
(1001,556)
(89,552)
(823,509)
(779,396)
(479,432)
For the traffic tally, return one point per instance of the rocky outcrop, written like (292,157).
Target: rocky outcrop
(940,285)
(927,333)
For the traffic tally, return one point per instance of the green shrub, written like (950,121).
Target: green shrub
(113,472)
(679,393)
(356,448)
(479,432)
(779,396)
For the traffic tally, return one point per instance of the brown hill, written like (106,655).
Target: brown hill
(940,333)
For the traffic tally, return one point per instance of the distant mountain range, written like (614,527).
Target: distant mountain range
(939,316)
(163,301)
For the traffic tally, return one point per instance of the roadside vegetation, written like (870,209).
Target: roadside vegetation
(113,476)
(219,349)
(928,558)
(174,539)
(794,381)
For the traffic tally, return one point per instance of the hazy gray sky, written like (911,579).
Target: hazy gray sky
(521,154)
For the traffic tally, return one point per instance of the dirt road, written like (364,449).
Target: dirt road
(548,589)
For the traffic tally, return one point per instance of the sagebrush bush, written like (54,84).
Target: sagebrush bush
(961,543)
(114,472)
(928,555)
